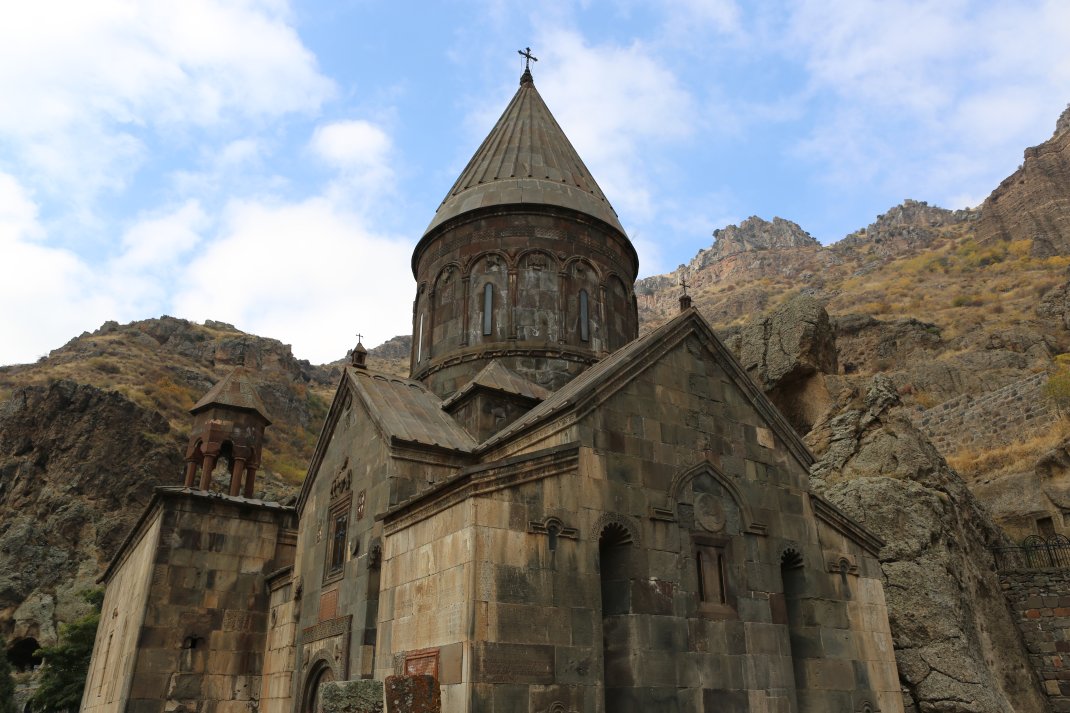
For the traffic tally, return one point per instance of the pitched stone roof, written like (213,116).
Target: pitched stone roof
(526,158)
(406,410)
(496,377)
(235,390)
(609,374)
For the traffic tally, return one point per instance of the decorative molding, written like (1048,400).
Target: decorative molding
(843,564)
(683,479)
(326,629)
(827,513)
(553,524)
(623,521)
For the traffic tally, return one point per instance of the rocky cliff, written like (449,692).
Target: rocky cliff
(77,465)
(87,433)
(1033,203)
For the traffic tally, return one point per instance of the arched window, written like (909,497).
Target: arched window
(585,321)
(488,309)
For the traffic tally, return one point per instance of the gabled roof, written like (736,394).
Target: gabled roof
(496,377)
(234,390)
(613,372)
(526,158)
(408,411)
(403,411)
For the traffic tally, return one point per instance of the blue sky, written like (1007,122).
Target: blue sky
(271,164)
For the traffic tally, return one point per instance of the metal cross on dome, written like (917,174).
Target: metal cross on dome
(683,282)
(528,58)
(360,337)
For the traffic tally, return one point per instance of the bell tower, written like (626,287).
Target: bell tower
(525,262)
(228,423)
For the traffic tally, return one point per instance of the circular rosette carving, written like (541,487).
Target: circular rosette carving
(710,513)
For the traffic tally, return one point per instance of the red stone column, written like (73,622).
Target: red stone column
(206,471)
(250,478)
(191,473)
(235,475)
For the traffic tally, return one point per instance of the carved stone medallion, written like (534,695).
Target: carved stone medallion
(709,513)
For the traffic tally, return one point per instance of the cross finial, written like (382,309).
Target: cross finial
(685,299)
(528,58)
(360,337)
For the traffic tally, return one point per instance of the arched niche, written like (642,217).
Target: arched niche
(581,277)
(488,269)
(538,291)
(706,478)
(619,315)
(447,310)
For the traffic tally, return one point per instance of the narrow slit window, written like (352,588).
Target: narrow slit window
(585,323)
(420,341)
(488,309)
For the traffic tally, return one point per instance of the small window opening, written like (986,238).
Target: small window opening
(1046,527)
(488,309)
(190,642)
(710,561)
(338,543)
(585,323)
(844,569)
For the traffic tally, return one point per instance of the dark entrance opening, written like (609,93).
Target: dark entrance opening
(22,656)
(614,560)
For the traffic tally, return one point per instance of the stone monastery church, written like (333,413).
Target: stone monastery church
(552,514)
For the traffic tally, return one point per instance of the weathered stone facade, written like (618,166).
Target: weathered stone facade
(184,621)
(552,515)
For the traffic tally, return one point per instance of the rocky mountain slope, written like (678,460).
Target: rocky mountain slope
(87,432)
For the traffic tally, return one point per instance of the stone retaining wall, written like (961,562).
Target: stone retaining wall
(998,418)
(1040,603)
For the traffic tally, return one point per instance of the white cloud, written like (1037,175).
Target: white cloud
(614,101)
(309,273)
(84,82)
(41,288)
(932,97)
(351,144)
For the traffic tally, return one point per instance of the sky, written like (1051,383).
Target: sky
(272,164)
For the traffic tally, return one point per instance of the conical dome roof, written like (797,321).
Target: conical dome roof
(526,158)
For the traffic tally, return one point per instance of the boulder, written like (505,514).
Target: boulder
(957,647)
(787,353)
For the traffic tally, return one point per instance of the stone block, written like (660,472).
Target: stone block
(412,694)
(363,696)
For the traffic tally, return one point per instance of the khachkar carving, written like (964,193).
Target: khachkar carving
(710,513)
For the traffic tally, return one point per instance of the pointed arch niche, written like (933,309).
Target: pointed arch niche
(710,508)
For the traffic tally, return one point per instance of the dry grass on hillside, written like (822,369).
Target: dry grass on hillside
(1018,457)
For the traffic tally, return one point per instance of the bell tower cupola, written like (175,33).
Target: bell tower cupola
(524,263)
(228,425)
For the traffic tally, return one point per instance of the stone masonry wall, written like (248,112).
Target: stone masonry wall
(998,418)
(1040,602)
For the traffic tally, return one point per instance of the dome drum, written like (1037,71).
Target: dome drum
(544,283)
